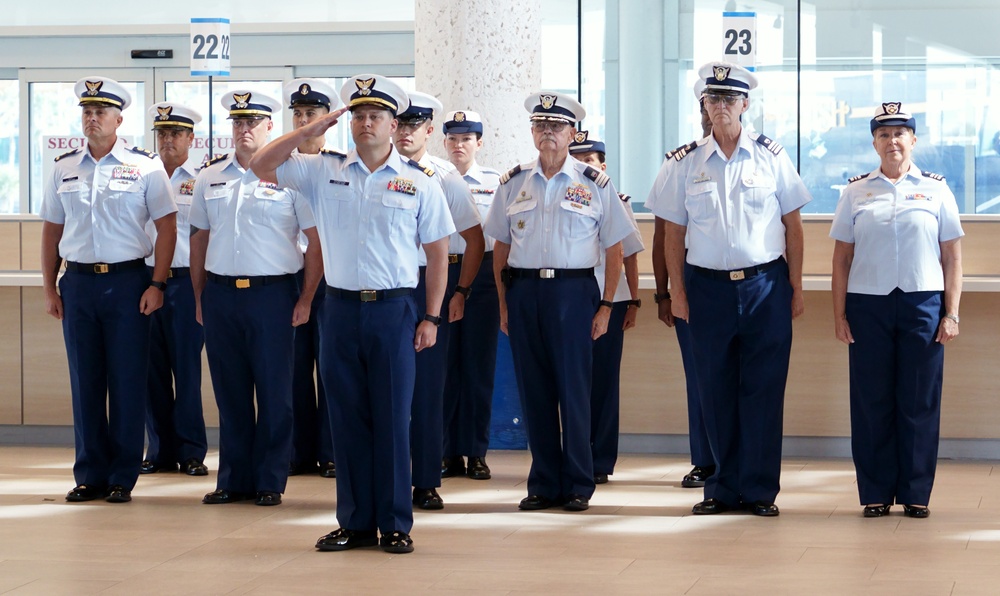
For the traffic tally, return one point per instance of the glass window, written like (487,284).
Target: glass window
(10,201)
(56,128)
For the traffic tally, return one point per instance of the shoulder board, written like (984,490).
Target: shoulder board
(599,177)
(142,151)
(624,197)
(510,174)
(68,153)
(332,153)
(772,146)
(423,169)
(932,175)
(215,160)
(679,153)
(858,177)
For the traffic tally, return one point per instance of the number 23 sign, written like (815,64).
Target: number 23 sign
(739,38)
(209,47)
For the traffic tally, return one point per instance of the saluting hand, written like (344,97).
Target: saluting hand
(319,126)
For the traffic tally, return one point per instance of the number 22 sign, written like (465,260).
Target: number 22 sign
(210,47)
(739,38)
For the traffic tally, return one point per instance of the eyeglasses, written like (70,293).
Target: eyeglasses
(715,99)
(249,123)
(551,125)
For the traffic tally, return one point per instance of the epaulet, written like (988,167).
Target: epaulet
(333,153)
(510,174)
(215,160)
(68,153)
(679,153)
(771,145)
(142,151)
(858,177)
(932,175)
(624,197)
(599,177)
(424,169)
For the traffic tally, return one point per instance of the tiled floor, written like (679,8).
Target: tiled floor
(637,538)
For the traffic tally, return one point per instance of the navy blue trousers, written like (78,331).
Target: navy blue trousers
(249,339)
(175,423)
(896,376)
(742,335)
(427,412)
(605,392)
(107,346)
(701,451)
(368,349)
(549,322)
(472,363)
(312,439)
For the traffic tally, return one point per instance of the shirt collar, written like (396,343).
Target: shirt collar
(117,150)
(568,167)
(394,162)
(913,172)
(190,168)
(744,145)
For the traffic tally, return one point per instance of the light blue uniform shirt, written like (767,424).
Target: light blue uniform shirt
(463,211)
(732,208)
(369,223)
(483,183)
(897,231)
(565,222)
(631,245)
(182,183)
(254,225)
(104,205)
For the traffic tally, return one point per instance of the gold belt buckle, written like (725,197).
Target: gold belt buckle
(170,273)
(242,283)
(452,259)
(101,268)
(546,273)
(369,295)
(736,275)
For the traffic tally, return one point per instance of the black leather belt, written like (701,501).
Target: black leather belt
(176,272)
(517,273)
(249,281)
(453,259)
(100,268)
(367,295)
(737,274)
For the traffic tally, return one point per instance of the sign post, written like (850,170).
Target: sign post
(739,38)
(210,57)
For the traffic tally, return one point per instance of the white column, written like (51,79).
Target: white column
(484,56)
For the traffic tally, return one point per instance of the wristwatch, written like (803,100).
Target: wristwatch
(162,285)
(636,303)
(659,297)
(953,318)
(607,303)
(433,319)
(463,291)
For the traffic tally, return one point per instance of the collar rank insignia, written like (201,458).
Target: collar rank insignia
(547,101)
(242,101)
(94,88)
(304,89)
(165,112)
(892,107)
(364,86)
(721,73)
(459,116)
(581,136)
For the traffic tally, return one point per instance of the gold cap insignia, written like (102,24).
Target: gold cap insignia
(892,108)
(547,101)
(459,116)
(242,101)
(94,88)
(721,73)
(364,86)
(581,136)
(165,112)
(304,89)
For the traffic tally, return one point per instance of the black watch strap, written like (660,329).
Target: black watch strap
(159,285)
(607,303)
(463,290)
(433,319)
(658,297)
(636,303)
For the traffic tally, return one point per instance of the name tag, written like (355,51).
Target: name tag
(119,185)
(340,182)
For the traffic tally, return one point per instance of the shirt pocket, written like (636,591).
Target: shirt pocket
(401,214)
(74,197)
(339,202)
(216,202)
(757,192)
(522,217)
(701,200)
(580,221)
(126,199)
(271,206)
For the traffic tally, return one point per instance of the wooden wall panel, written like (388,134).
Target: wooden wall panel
(46,372)
(10,245)
(10,355)
(31,245)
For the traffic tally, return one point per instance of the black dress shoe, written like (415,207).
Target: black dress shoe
(342,539)
(452,466)
(710,507)
(763,509)
(916,511)
(193,467)
(697,476)
(397,542)
(266,498)
(477,469)
(600,478)
(151,467)
(535,502)
(302,468)
(876,510)
(576,503)
(328,470)
(223,496)
(118,494)
(428,499)
(84,492)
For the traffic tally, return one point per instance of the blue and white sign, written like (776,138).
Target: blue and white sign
(210,47)
(739,38)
